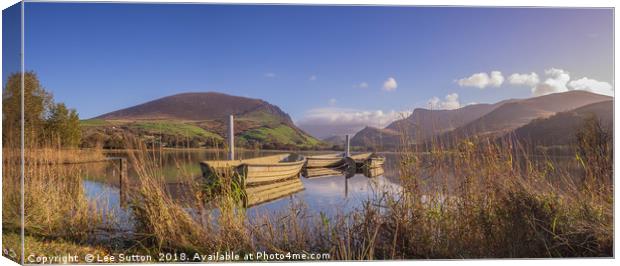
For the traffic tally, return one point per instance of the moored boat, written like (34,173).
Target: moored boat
(255,171)
(325,161)
(368,160)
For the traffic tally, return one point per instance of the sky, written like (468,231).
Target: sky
(334,69)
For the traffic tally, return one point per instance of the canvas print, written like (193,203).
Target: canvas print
(184,133)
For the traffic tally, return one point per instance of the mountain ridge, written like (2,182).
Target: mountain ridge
(478,119)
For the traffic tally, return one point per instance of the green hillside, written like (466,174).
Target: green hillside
(251,132)
(198,120)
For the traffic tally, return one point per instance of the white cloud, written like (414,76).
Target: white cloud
(312,78)
(592,85)
(362,85)
(482,80)
(390,84)
(270,75)
(332,101)
(496,79)
(530,80)
(450,102)
(556,82)
(322,121)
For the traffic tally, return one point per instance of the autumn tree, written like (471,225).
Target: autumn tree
(44,121)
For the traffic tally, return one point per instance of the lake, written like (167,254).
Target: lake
(331,195)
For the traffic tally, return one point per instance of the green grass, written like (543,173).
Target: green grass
(280,134)
(95,123)
(261,117)
(174,128)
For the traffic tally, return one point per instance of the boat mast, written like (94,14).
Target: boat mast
(231,138)
(347,142)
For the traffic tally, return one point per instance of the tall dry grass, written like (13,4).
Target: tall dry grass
(189,224)
(472,198)
(55,204)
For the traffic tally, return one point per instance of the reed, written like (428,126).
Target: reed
(489,199)
(192,224)
(470,198)
(56,207)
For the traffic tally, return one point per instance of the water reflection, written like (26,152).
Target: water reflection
(328,189)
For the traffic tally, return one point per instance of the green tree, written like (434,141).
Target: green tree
(36,104)
(45,122)
(63,126)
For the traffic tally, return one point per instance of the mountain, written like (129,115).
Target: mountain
(516,113)
(420,125)
(561,128)
(196,106)
(372,137)
(335,140)
(200,119)
(477,119)
(424,123)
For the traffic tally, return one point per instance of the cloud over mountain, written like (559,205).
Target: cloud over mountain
(556,82)
(450,102)
(482,80)
(329,121)
(524,79)
(592,85)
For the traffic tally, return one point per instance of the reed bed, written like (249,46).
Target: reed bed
(486,199)
(57,211)
(471,198)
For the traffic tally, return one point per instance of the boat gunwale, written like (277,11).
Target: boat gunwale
(244,162)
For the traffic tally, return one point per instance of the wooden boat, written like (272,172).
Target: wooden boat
(256,170)
(368,160)
(325,161)
(361,158)
(263,193)
(320,172)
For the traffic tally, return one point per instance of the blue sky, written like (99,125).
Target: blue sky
(327,66)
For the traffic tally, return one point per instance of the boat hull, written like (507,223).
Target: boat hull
(254,171)
(325,161)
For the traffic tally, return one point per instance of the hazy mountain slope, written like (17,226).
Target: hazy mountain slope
(335,140)
(513,114)
(477,119)
(423,123)
(561,128)
(372,137)
(420,125)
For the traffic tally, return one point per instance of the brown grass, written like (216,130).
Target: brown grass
(486,199)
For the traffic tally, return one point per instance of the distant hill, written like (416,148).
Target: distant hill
(561,128)
(423,123)
(335,140)
(200,119)
(196,106)
(476,119)
(516,113)
(420,125)
(376,138)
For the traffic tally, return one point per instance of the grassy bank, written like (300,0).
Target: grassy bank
(58,215)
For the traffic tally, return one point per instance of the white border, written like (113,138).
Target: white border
(503,3)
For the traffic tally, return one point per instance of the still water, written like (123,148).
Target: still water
(330,195)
